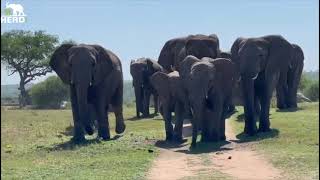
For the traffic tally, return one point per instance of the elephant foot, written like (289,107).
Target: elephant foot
(120,128)
(104,134)
(169,137)
(250,131)
(223,138)
(89,129)
(78,139)
(264,129)
(179,139)
(193,145)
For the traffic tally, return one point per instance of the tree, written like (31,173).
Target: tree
(49,93)
(27,53)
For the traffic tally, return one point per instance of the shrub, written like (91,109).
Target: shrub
(49,93)
(312,91)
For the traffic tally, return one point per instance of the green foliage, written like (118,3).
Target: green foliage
(27,53)
(312,91)
(49,93)
(309,85)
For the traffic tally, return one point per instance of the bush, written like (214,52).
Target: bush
(312,91)
(49,93)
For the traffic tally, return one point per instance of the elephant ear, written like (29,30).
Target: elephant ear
(185,65)
(160,82)
(104,64)
(59,63)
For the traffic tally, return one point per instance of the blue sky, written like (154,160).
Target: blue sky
(134,29)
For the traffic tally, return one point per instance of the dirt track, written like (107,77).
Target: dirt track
(236,160)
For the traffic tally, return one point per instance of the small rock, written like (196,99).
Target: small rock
(229,157)
(150,150)
(219,152)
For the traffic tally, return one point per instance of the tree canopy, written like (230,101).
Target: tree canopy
(27,53)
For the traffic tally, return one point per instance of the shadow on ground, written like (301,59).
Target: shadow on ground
(243,138)
(289,109)
(135,118)
(71,145)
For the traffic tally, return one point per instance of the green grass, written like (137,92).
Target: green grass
(293,143)
(35,145)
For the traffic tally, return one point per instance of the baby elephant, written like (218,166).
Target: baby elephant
(172,99)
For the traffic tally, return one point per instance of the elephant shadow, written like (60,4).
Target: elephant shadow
(71,145)
(244,138)
(135,118)
(207,147)
(289,109)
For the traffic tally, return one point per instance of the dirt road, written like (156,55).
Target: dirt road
(235,160)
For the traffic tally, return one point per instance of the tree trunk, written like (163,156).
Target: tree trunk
(23,95)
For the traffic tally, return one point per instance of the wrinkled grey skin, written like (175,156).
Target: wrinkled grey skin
(175,50)
(289,100)
(172,99)
(141,70)
(208,83)
(226,55)
(260,61)
(95,78)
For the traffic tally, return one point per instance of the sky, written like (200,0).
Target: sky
(139,28)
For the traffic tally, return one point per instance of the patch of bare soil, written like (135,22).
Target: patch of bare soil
(237,160)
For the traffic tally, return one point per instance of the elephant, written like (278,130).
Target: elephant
(96,81)
(208,83)
(226,55)
(175,50)
(172,99)
(141,70)
(289,100)
(259,62)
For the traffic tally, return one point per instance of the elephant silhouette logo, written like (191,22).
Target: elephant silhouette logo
(16,9)
(13,13)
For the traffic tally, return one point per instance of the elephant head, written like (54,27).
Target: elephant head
(82,67)
(251,56)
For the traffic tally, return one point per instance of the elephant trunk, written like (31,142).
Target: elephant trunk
(139,99)
(82,97)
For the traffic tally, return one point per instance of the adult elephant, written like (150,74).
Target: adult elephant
(95,78)
(289,99)
(175,50)
(208,83)
(260,61)
(141,70)
(172,99)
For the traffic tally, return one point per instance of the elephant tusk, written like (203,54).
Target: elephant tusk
(255,77)
(239,79)
(90,84)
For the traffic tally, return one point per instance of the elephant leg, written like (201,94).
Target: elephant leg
(282,91)
(146,102)
(78,134)
(248,94)
(103,122)
(167,118)
(194,133)
(215,124)
(294,77)
(117,102)
(178,122)
(139,100)
(156,103)
(269,84)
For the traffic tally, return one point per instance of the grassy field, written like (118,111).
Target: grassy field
(35,145)
(293,143)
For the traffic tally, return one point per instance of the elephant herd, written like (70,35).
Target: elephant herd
(192,78)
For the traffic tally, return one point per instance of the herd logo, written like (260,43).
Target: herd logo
(13,13)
